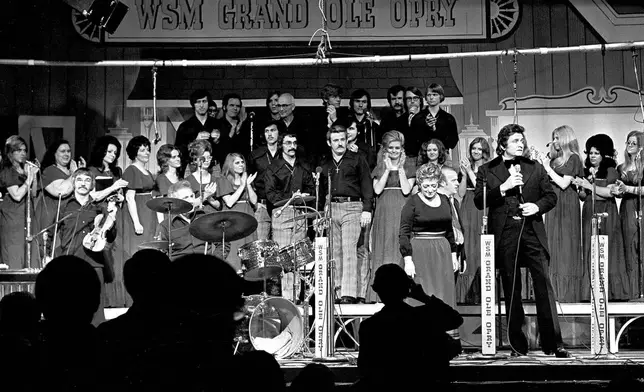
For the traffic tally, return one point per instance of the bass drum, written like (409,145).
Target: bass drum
(271,324)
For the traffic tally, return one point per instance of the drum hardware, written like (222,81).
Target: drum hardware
(169,206)
(261,260)
(219,226)
(159,245)
(271,324)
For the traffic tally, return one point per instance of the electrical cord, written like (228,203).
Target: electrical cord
(514,281)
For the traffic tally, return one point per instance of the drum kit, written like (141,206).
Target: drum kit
(272,324)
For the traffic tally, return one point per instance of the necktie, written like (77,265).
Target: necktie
(456,225)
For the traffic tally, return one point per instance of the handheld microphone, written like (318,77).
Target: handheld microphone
(517,169)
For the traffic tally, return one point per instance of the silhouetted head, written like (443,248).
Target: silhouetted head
(145,273)
(267,374)
(205,285)
(68,291)
(315,377)
(19,312)
(391,283)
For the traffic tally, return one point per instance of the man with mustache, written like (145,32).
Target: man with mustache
(351,205)
(258,161)
(396,109)
(284,178)
(83,211)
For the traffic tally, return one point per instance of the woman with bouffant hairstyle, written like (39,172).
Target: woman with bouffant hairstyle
(393,180)
(426,238)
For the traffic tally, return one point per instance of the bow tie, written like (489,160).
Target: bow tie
(510,162)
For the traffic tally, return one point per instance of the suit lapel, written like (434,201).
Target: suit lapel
(527,168)
(498,169)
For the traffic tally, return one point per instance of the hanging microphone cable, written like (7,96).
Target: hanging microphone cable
(157,136)
(639,87)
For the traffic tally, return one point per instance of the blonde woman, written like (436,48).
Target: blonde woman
(236,190)
(393,180)
(563,223)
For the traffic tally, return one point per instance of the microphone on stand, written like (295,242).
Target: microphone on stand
(549,144)
(251,115)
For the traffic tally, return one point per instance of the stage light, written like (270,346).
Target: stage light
(107,14)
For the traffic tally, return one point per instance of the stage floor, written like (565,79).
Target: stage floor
(535,368)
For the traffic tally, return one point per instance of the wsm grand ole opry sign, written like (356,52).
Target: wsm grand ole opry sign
(225,21)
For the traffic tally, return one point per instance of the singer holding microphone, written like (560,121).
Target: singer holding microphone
(600,170)
(16,177)
(518,194)
(286,178)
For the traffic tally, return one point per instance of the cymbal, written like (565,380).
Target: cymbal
(158,245)
(211,227)
(171,205)
(303,216)
(296,202)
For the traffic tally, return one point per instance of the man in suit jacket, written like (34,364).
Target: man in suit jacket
(518,194)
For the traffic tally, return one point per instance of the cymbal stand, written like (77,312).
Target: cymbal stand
(169,209)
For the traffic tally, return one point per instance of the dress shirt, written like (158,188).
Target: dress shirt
(282,180)
(260,159)
(350,177)
(184,242)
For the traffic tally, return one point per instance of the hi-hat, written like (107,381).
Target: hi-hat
(302,216)
(296,202)
(171,205)
(158,245)
(211,227)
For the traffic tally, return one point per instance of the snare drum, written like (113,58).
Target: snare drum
(260,259)
(271,324)
(304,253)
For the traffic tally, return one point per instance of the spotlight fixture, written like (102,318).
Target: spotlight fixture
(107,14)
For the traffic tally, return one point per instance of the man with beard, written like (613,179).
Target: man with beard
(198,126)
(272,113)
(351,205)
(285,178)
(260,159)
(73,230)
(389,116)
(360,112)
(414,138)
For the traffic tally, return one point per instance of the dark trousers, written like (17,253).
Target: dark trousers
(533,256)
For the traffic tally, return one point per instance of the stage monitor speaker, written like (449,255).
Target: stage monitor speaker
(108,14)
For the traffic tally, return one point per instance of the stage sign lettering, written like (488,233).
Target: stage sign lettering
(227,21)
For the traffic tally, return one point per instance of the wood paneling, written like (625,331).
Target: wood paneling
(544,24)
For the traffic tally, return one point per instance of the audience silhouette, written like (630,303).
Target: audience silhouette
(315,377)
(403,345)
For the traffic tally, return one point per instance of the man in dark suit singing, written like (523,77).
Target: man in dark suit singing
(518,194)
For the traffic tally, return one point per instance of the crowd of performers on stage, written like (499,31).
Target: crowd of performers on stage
(396,194)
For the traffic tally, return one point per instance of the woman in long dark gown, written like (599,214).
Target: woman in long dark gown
(169,162)
(468,284)
(393,180)
(600,169)
(108,181)
(629,183)
(57,187)
(16,177)
(563,223)
(427,238)
(235,188)
(140,222)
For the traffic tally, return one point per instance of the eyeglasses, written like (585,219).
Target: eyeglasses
(284,106)
(413,99)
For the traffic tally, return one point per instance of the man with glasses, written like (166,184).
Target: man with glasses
(196,127)
(298,125)
(258,161)
(284,178)
(425,123)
